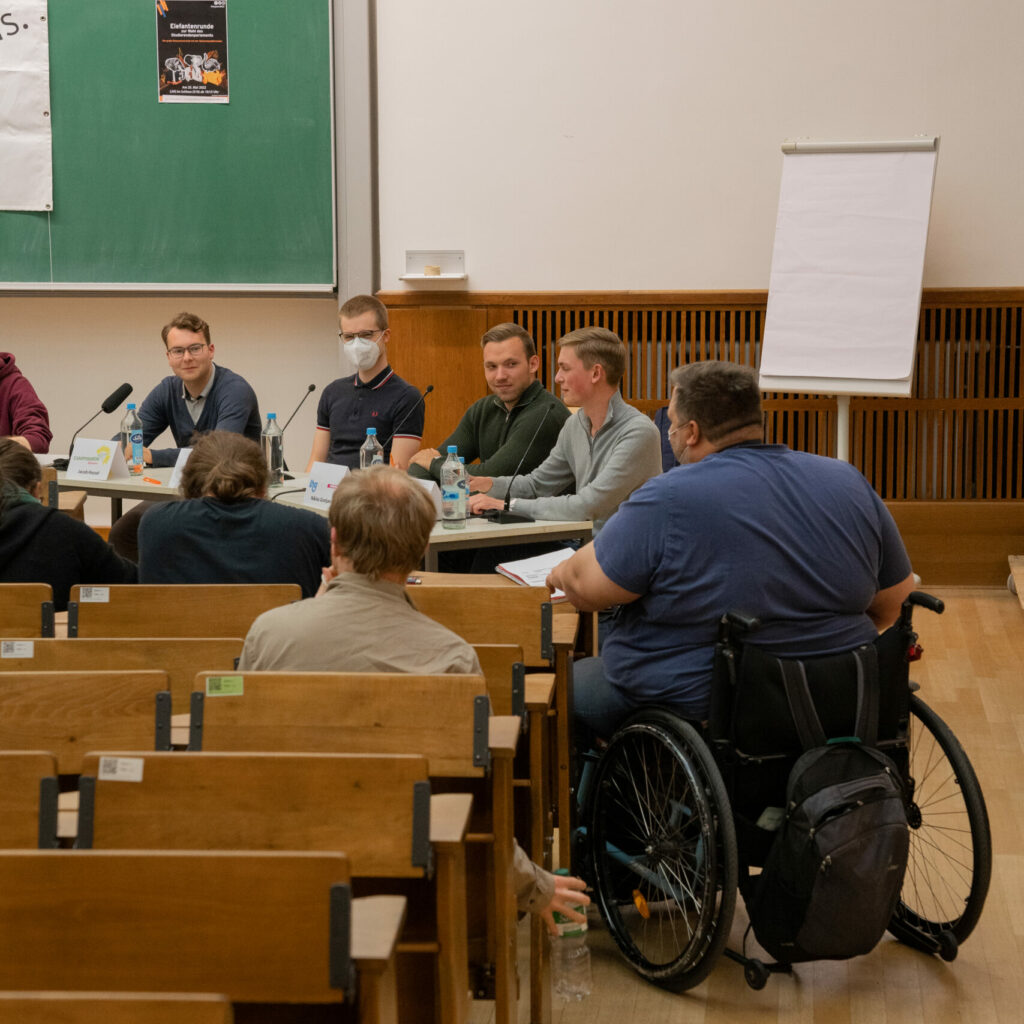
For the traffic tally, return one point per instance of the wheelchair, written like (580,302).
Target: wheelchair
(667,828)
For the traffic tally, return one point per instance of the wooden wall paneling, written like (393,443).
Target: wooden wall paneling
(440,346)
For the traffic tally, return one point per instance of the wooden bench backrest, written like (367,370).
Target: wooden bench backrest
(503,668)
(438,716)
(255,926)
(28,799)
(362,804)
(493,615)
(174,609)
(26,609)
(113,1008)
(71,713)
(180,657)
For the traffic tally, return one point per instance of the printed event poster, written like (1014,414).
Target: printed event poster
(192,50)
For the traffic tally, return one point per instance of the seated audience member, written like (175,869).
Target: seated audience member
(23,417)
(375,396)
(603,452)
(198,396)
(510,430)
(798,540)
(364,621)
(226,531)
(44,545)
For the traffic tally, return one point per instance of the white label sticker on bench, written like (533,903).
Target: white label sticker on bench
(225,686)
(94,595)
(121,769)
(17,649)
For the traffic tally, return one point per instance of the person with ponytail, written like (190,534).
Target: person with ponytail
(226,531)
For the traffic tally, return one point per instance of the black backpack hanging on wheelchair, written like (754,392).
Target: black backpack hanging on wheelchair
(833,873)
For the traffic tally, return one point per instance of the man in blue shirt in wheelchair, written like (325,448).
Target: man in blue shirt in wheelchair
(798,540)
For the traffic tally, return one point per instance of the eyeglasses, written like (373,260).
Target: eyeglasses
(362,335)
(179,353)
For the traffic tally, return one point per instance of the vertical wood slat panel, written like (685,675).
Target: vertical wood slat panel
(959,436)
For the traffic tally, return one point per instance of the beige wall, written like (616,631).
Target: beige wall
(601,145)
(76,350)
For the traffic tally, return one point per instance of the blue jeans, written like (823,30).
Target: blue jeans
(598,706)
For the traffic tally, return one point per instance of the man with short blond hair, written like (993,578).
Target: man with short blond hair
(513,428)
(603,453)
(374,396)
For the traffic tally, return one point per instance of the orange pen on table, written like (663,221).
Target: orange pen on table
(152,480)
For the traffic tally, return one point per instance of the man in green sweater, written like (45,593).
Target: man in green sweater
(512,429)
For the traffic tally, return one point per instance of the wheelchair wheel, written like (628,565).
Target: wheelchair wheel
(663,849)
(950,859)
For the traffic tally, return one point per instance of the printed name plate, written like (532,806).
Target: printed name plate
(94,459)
(323,479)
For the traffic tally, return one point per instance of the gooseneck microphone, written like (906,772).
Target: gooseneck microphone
(108,406)
(309,391)
(409,412)
(503,516)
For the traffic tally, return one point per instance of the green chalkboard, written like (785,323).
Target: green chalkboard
(173,194)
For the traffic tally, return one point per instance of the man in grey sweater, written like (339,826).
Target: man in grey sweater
(603,453)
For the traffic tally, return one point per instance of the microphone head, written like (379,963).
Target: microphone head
(430,387)
(114,400)
(312,387)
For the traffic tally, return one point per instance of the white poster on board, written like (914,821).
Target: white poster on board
(847,268)
(26,168)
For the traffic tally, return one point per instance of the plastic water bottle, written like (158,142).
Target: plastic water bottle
(465,486)
(371,453)
(273,449)
(453,491)
(570,956)
(131,440)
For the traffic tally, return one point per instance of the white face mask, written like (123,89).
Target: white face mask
(363,352)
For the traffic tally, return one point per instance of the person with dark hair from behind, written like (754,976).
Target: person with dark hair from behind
(800,541)
(44,545)
(225,531)
(23,417)
(364,621)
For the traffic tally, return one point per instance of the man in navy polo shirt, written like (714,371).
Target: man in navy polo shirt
(375,396)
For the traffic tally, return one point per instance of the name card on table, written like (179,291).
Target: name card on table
(94,459)
(434,492)
(323,479)
(179,465)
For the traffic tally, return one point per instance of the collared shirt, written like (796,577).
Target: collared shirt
(601,470)
(349,405)
(196,405)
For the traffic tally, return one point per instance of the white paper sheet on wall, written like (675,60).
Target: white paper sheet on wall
(26,169)
(847,266)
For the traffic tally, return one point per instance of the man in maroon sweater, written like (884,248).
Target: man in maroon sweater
(23,417)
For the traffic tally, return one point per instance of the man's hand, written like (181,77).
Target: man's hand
(424,457)
(567,897)
(326,575)
(480,484)
(483,502)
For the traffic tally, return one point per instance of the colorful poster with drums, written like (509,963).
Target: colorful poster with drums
(192,50)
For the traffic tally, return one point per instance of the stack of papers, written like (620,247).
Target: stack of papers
(532,572)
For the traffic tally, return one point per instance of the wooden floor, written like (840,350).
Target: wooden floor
(972,674)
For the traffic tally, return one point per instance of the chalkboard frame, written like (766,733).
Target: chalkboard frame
(184,197)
